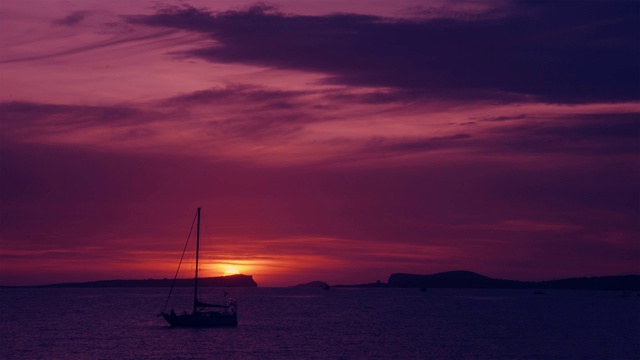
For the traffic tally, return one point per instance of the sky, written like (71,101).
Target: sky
(340,141)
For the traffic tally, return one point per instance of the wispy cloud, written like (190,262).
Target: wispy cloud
(419,145)
(72,19)
(590,135)
(107,43)
(24,121)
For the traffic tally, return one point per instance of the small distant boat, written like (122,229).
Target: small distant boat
(326,287)
(201,316)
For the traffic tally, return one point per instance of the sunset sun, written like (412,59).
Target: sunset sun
(230,271)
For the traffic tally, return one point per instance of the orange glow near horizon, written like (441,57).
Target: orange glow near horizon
(227,268)
(230,271)
(267,269)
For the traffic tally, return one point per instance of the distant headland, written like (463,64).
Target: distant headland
(468,279)
(220,281)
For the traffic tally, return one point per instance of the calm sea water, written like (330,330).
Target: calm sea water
(290,323)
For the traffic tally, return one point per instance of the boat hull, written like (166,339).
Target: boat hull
(201,320)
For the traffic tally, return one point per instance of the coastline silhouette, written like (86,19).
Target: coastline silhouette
(449,279)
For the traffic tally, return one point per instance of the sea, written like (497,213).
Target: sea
(313,323)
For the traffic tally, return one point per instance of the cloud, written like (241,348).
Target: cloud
(247,95)
(72,19)
(216,123)
(460,10)
(555,52)
(96,45)
(590,135)
(503,118)
(598,126)
(526,226)
(29,120)
(416,145)
(250,112)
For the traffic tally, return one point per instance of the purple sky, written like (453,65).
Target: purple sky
(337,141)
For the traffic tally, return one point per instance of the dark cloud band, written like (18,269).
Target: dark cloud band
(559,52)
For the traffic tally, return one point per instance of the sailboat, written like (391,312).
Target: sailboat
(202,314)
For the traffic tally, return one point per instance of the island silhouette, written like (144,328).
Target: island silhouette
(469,279)
(238,280)
(449,279)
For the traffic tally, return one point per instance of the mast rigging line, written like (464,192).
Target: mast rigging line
(180,263)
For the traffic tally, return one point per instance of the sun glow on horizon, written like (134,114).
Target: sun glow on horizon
(230,271)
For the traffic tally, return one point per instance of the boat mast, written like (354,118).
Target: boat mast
(195,294)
